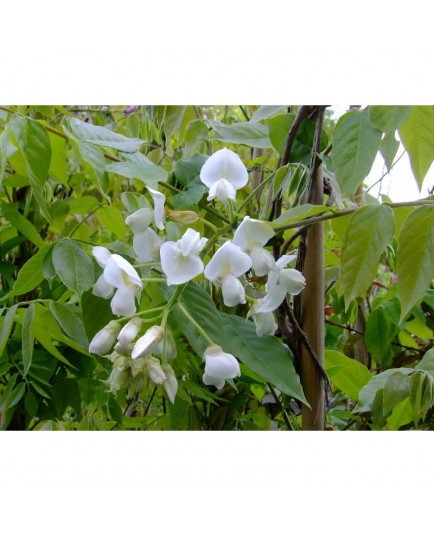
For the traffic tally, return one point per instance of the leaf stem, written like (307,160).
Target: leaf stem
(196,325)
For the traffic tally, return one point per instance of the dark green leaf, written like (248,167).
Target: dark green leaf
(355,146)
(114,409)
(70,322)
(379,333)
(6,327)
(73,266)
(16,395)
(96,313)
(188,171)
(28,338)
(30,275)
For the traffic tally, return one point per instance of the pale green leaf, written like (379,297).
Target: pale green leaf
(415,257)
(396,389)
(278,130)
(427,362)
(347,374)
(417,135)
(388,118)
(366,237)
(368,392)
(388,148)
(150,174)
(355,146)
(22,224)
(250,134)
(298,213)
(264,112)
(73,266)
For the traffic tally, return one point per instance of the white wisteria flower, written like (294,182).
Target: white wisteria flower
(281,281)
(180,260)
(170,383)
(219,366)
(130,331)
(146,246)
(251,235)
(118,274)
(105,338)
(141,219)
(224,173)
(227,264)
(155,372)
(265,323)
(147,342)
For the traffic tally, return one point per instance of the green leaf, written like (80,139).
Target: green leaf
(59,162)
(401,415)
(379,334)
(250,134)
(188,171)
(427,362)
(300,212)
(267,356)
(366,237)
(103,136)
(16,395)
(355,146)
(350,375)
(368,392)
(150,174)
(28,338)
(31,404)
(415,257)
(6,327)
(96,313)
(114,409)
(388,118)
(112,219)
(70,322)
(189,199)
(173,120)
(417,135)
(278,130)
(22,224)
(34,144)
(30,275)
(396,389)
(388,148)
(264,112)
(73,266)
(82,205)
(197,131)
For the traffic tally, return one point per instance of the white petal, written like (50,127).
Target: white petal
(209,380)
(190,242)
(105,338)
(223,190)
(140,220)
(265,324)
(119,272)
(179,269)
(159,200)
(147,342)
(101,288)
(233,291)
(170,384)
(170,346)
(146,246)
(251,233)
(228,260)
(123,302)
(271,300)
(262,261)
(292,280)
(224,164)
(219,364)
(156,373)
(284,260)
(129,332)
(101,254)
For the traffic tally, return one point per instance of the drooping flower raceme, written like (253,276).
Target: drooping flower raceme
(281,281)
(224,173)
(227,264)
(219,366)
(180,260)
(118,274)
(251,235)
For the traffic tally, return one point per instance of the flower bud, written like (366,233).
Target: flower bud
(129,332)
(219,366)
(170,383)
(184,217)
(105,338)
(156,373)
(148,342)
(130,109)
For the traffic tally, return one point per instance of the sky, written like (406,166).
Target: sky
(399,184)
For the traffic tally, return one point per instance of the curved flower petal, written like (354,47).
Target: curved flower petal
(251,233)
(224,164)
(156,373)
(146,246)
(140,220)
(233,291)
(123,302)
(159,199)
(177,267)
(105,338)
(271,301)
(223,190)
(265,324)
(119,272)
(129,332)
(228,260)
(170,384)
(101,288)
(191,243)
(293,280)
(262,261)
(284,260)
(147,342)
(219,365)
(101,254)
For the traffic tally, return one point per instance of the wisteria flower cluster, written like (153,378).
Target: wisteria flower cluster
(225,263)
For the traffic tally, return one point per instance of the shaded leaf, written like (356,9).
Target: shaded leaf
(73,266)
(28,338)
